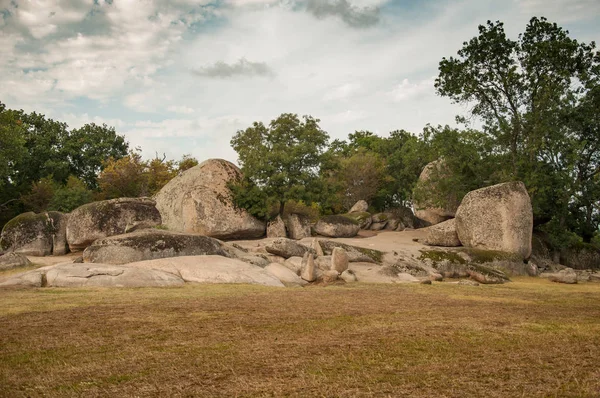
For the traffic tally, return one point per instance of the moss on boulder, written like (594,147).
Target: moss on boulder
(35,234)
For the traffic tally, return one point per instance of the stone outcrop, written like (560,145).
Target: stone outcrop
(93,275)
(363,219)
(379,221)
(287,248)
(486,275)
(151,244)
(13,260)
(443,234)
(355,253)
(567,275)
(33,234)
(298,226)
(498,217)
(288,277)
(425,209)
(211,269)
(294,264)
(99,220)
(200,201)
(360,207)
(348,276)
(276,228)
(337,227)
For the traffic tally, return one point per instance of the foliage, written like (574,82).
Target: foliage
(40,195)
(538,99)
(70,196)
(280,162)
(123,177)
(186,162)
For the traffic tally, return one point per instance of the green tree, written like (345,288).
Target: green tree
(186,162)
(280,162)
(124,177)
(535,97)
(70,196)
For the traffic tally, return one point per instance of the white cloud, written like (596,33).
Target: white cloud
(181,109)
(564,10)
(406,90)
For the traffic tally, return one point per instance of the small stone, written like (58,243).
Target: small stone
(330,276)
(308,271)
(348,276)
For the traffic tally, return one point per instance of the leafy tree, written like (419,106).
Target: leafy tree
(70,196)
(186,162)
(536,97)
(40,195)
(280,162)
(158,173)
(123,177)
(12,143)
(88,147)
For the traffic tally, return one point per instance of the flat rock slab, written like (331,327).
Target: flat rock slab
(150,244)
(210,269)
(93,275)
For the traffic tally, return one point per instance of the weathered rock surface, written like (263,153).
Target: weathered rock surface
(339,260)
(581,257)
(13,260)
(337,227)
(443,234)
(298,226)
(360,207)
(355,253)
(314,244)
(373,273)
(308,271)
(379,221)
(285,275)
(199,201)
(276,228)
(93,275)
(329,276)
(211,269)
(151,244)
(363,219)
(99,220)
(323,262)
(287,248)
(567,275)
(486,275)
(498,217)
(33,234)
(405,215)
(425,209)
(294,264)
(348,276)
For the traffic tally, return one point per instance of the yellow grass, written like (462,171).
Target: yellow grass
(529,338)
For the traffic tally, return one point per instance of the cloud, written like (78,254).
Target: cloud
(242,67)
(180,109)
(353,16)
(565,10)
(407,90)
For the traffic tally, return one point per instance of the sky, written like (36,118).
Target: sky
(182,76)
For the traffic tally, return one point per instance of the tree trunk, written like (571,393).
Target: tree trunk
(281,207)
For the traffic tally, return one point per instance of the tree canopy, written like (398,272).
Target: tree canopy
(280,162)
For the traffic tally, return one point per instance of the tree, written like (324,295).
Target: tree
(88,147)
(186,162)
(70,196)
(123,177)
(536,97)
(361,176)
(280,162)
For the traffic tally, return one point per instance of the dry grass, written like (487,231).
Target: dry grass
(528,338)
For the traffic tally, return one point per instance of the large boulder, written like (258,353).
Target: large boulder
(404,215)
(151,244)
(211,269)
(430,211)
(13,260)
(93,275)
(355,253)
(567,275)
(360,207)
(498,217)
(200,201)
(337,227)
(287,248)
(363,219)
(285,275)
(98,220)
(298,226)
(33,234)
(276,228)
(443,234)
(379,221)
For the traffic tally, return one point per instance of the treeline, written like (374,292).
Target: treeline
(47,166)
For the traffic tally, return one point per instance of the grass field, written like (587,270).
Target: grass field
(529,338)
